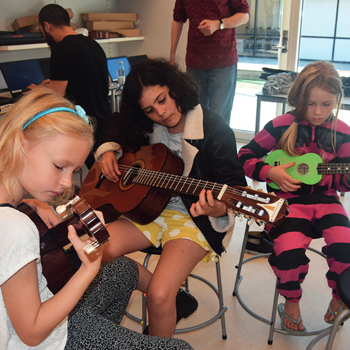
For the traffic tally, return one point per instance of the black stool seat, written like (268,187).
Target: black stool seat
(152,250)
(344,287)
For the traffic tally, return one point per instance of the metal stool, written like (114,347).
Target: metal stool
(343,286)
(221,311)
(236,293)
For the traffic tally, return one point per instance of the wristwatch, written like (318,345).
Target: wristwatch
(222,25)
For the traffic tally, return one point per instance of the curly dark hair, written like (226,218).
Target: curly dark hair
(135,125)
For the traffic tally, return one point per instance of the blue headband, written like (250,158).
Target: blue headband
(78,111)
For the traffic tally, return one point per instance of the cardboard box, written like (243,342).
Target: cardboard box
(91,17)
(107,26)
(127,32)
(30,22)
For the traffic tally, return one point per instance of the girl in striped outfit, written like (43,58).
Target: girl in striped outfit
(314,210)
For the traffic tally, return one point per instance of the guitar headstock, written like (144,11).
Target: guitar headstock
(256,205)
(92,224)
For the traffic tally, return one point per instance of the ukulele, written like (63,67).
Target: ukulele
(153,174)
(60,264)
(309,168)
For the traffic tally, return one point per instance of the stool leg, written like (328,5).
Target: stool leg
(239,265)
(144,308)
(335,327)
(221,298)
(273,316)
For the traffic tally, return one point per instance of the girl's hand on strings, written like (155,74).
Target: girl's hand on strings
(207,205)
(285,182)
(90,262)
(109,166)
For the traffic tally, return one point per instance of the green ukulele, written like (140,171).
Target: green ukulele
(309,168)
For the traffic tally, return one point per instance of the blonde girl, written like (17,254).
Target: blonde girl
(44,139)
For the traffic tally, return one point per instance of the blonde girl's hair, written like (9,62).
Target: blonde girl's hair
(319,74)
(11,129)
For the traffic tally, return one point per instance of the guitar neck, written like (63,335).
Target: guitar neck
(333,168)
(176,183)
(240,200)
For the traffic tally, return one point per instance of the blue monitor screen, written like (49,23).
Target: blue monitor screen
(113,63)
(20,74)
(3,85)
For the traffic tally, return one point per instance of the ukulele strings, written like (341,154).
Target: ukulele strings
(322,168)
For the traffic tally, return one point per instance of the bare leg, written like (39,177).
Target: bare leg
(176,262)
(292,310)
(126,238)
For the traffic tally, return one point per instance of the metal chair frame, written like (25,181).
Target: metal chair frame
(236,293)
(343,285)
(218,291)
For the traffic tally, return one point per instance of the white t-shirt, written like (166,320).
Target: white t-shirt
(174,142)
(19,246)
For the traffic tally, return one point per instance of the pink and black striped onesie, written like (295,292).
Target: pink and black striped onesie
(314,210)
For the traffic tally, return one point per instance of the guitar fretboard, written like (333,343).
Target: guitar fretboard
(176,183)
(333,168)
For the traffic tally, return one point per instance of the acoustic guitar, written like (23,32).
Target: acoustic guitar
(309,168)
(153,174)
(60,264)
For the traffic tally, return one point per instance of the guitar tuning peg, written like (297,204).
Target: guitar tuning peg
(260,223)
(248,187)
(246,216)
(272,193)
(260,190)
(250,221)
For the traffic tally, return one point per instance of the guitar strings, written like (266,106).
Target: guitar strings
(241,205)
(180,180)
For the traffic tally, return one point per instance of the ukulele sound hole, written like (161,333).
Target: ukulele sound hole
(303,169)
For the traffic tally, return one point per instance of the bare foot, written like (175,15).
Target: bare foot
(292,310)
(334,306)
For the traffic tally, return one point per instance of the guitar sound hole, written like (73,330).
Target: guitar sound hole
(130,174)
(303,169)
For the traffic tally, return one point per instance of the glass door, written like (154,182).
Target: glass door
(269,39)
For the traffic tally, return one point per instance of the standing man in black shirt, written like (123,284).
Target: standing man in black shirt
(78,66)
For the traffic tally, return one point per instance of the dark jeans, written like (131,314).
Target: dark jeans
(217,89)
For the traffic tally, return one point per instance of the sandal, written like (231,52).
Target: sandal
(284,327)
(331,312)
(335,314)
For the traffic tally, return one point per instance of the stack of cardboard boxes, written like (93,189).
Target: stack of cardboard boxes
(111,25)
(30,23)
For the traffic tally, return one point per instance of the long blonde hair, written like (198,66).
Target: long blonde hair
(11,129)
(319,74)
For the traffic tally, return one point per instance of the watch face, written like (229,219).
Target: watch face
(221,25)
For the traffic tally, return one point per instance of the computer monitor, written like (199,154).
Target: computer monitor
(44,64)
(3,85)
(113,63)
(134,59)
(20,74)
